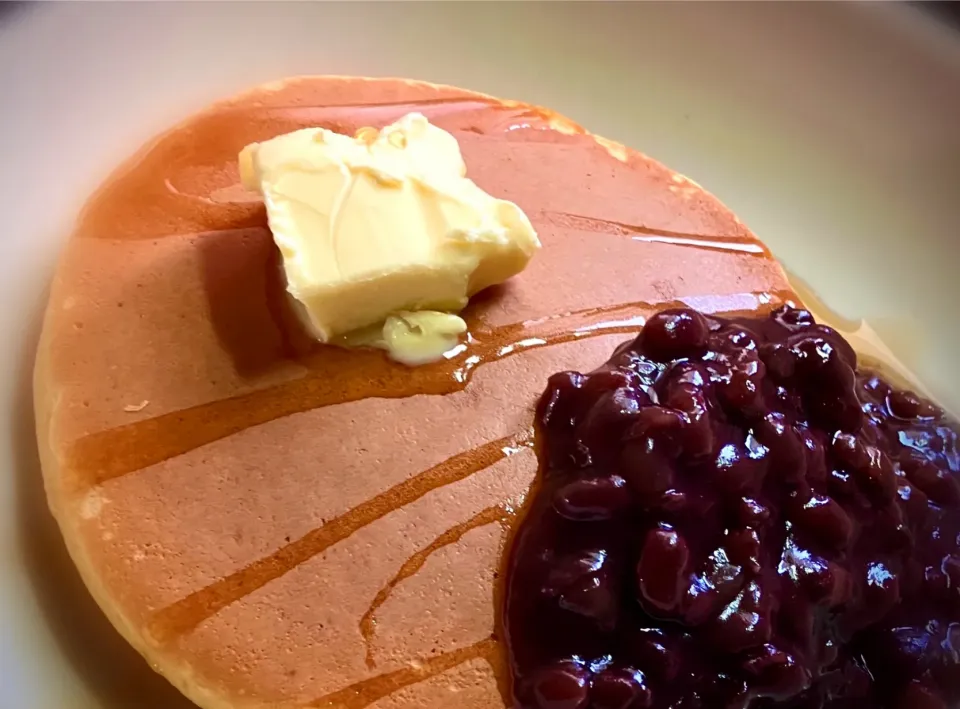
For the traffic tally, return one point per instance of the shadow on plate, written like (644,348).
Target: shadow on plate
(118,677)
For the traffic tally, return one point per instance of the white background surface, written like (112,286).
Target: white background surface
(833,130)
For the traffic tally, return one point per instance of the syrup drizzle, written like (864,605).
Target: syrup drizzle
(717,242)
(188,613)
(377,113)
(754,249)
(401,107)
(105,455)
(412,565)
(366,692)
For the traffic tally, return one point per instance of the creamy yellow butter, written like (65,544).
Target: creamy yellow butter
(417,337)
(384,224)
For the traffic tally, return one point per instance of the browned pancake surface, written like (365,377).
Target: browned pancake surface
(273,523)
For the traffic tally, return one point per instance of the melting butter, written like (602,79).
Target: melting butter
(383,232)
(412,338)
(416,338)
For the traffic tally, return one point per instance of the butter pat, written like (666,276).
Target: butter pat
(384,224)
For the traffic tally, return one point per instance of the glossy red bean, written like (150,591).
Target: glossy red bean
(662,569)
(729,515)
(564,685)
(675,334)
(620,688)
(593,499)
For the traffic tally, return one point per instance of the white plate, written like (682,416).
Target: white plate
(832,129)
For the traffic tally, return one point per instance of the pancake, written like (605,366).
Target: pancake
(274,523)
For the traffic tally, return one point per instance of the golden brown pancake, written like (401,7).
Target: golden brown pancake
(274,523)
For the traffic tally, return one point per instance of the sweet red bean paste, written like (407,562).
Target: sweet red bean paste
(729,515)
